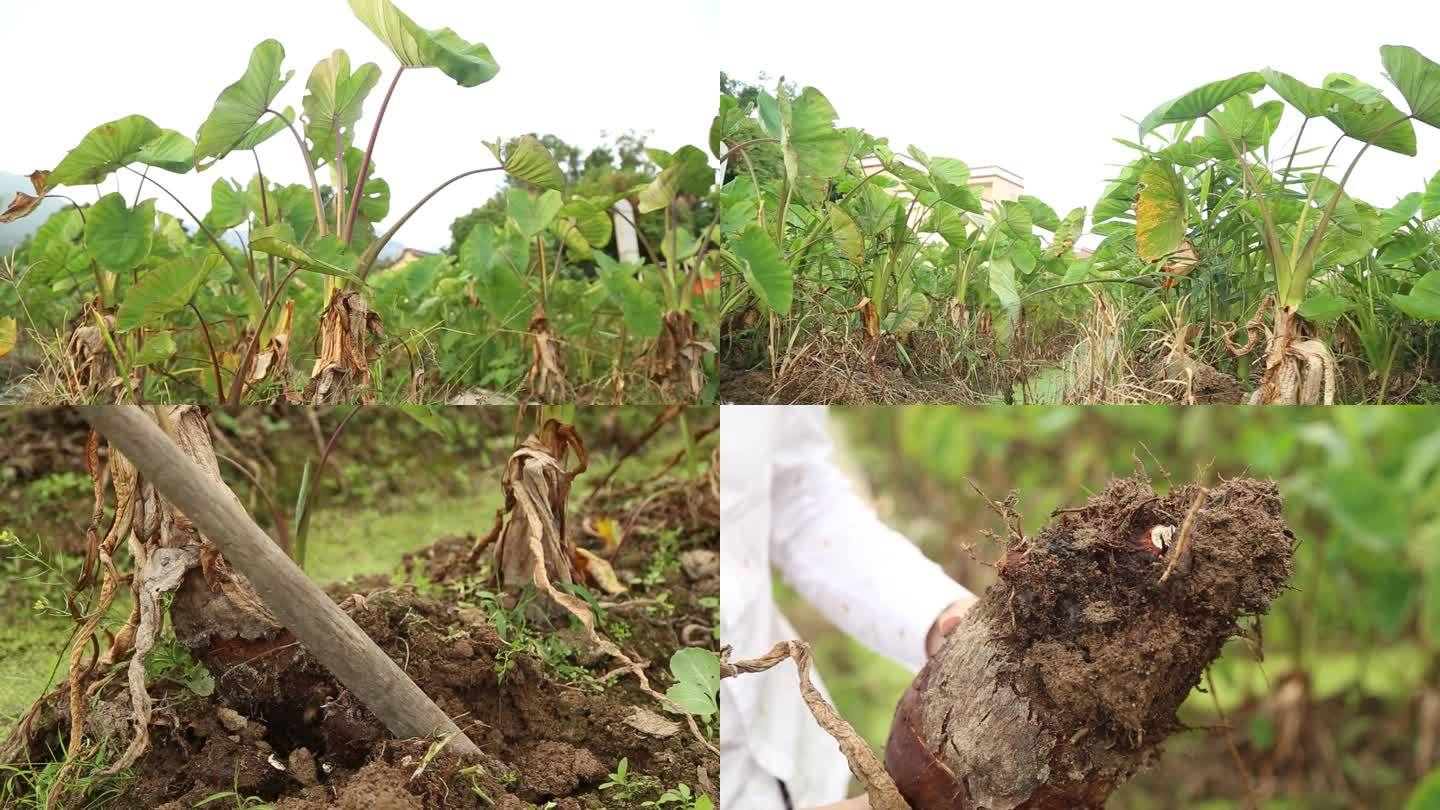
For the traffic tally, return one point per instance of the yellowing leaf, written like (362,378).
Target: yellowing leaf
(9,332)
(598,571)
(608,530)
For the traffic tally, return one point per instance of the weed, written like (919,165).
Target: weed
(35,789)
(626,786)
(683,799)
(713,603)
(665,560)
(171,661)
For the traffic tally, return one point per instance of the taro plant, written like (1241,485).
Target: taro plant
(823,220)
(1223,190)
(219,306)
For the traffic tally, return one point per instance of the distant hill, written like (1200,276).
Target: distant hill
(12,232)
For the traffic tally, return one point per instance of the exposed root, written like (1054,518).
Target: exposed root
(866,767)
(1298,370)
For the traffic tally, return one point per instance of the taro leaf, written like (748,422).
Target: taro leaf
(118,236)
(814,149)
(769,110)
(1002,283)
(227,204)
(375,200)
(661,191)
(696,176)
(1404,248)
(908,316)
(164,290)
(105,149)
(947,221)
(724,124)
(468,64)
(1242,123)
(170,236)
(1322,308)
(1423,300)
(1372,115)
(170,151)
(678,245)
(1352,232)
(1066,234)
(9,333)
(637,304)
(697,673)
(950,178)
(238,107)
(1394,217)
(1418,80)
(497,284)
(530,162)
(585,226)
(278,241)
(1430,203)
(1041,215)
(1013,218)
(1119,196)
(687,171)
(1160,213)
(1312,102)
(23,204)
(1201,101)
(737,205)
(846,234)
(532,214)
(157,349)
(764,268)
(335,99)
(264,131)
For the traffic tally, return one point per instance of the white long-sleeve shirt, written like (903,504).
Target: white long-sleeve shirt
(785,505)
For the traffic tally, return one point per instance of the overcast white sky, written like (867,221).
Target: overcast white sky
(1041,88)
(573,68)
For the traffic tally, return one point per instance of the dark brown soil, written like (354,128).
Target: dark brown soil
(1065,678)
(280,728)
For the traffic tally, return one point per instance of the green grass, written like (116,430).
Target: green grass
(359,541)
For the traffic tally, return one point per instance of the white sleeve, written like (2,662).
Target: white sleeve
(829,545)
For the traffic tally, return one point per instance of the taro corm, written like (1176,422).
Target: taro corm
(1065,678)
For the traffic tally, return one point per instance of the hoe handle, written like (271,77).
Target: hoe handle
(330,635)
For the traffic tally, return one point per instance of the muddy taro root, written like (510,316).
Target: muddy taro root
(1065,678)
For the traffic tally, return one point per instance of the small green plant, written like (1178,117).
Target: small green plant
(697,682)
(239,800)
(683,799)
(625,786)
(86,785)
(170,661)
(665,560)
(713,603)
